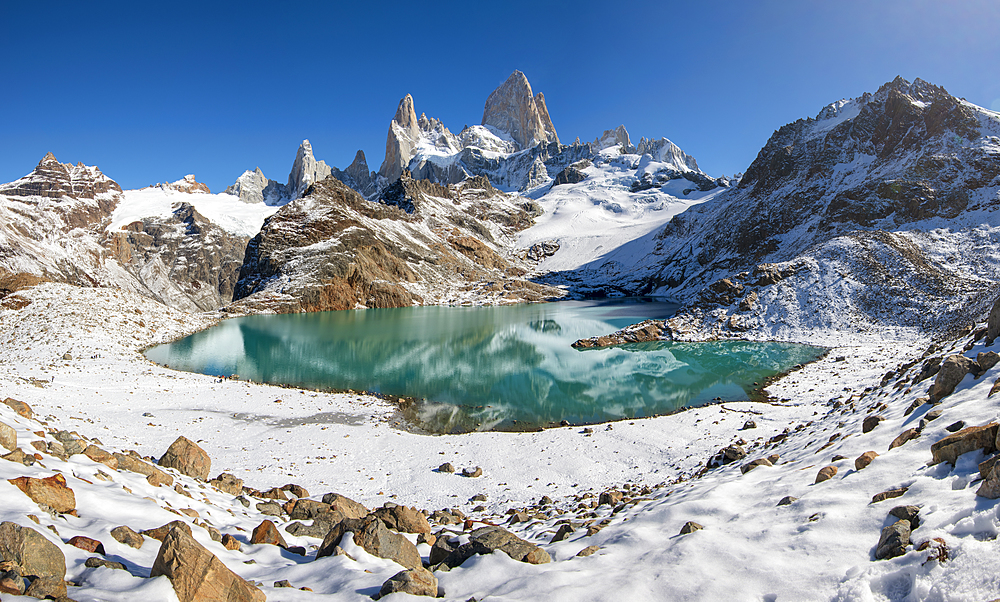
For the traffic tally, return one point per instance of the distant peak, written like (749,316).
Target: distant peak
(513,109)
(48,158)
(405,115)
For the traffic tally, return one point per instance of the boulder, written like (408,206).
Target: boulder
(22,409)
(127,536)
(993,324)
(296,490)
(154,475)
(864,460)
(95,562)
(31,551)
(307,509)
(903,437)
(754,464)
(185,456)
(487,540)
(888,495)
(345,505)
(372,535)
(588,551)
(826,473)
(51,491)
(8,436)
(197,575)
(870,423)
(20,457)
(907,513)
(101,457)
(787,500)
(87,543)
(267,533)
(987,360)
(402,519)
(47,588)
(270,508)
(318,529)
(446,467)
(416,582)
(472,472)
(72,444)
(442,548)
(160,533)
(611,498)
(953,370)
(968,439)
(562,533)
(227,483)
(690,527)
(11,579)
(230,543)
(893,540)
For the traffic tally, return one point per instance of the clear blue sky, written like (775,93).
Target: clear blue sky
(152,91)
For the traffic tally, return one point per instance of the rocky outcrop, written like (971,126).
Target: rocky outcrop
(305,171)
(357,176)
(54,180)
(514,110)
(616,137)
(406,133)
(332,249)
(254,187)
(186,184)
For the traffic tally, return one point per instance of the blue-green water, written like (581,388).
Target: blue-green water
(488,367)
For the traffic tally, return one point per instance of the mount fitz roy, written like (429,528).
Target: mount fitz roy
(880,206)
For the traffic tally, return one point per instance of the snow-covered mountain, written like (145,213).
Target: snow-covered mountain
(882,208)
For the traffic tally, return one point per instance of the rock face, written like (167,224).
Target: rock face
(31,551)
(54,180)
(186,184)
(305,171)
(185,455)
(197,575)
(512,109)
(332,249)
(254,187)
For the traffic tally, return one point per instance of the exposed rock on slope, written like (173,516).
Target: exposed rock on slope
(421,243)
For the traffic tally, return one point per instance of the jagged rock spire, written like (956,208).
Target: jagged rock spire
(305,170)
(513,109)
(404,132)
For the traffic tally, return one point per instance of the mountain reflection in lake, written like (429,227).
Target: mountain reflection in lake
(486,367)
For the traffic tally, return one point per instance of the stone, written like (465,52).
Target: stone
(46,588)
(372,535)
(283,583)
(893,540)
(754,464)
(11,579)
(690,527)
(267,533)
(562,533)
(187,458)
(611,498)
(20,457)
(955,426)
(161,532)
(826,473)
(101,457)
(154,475)
(8,436)
(31,551)
(300,509)
(23,410)
(402,519)
(903,437)
(230,543)
(870,423)
(416,582)
(87,543)
(51,491)
(71,443)
(864,460)
(907,513)
(588,551)
(989,488)
(733,453)
(446,467)
(987,360)
(473,472)
(348,507)
(95,562)
(296,490)
(227,483)
(197,575)
(993,324)
(486,540)
(318,529)
(270,508)
(127,536)
(787,500)
(953,370)
(888,495)
(274,493)
(966,440)
(749,424)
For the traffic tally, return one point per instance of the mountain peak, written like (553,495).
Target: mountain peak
(48,158)
(513,109)
(305,170)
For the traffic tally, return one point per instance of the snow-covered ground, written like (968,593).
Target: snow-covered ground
(818,548)
(225,210)
(600,219)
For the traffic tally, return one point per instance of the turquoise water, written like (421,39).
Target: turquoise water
(487,367)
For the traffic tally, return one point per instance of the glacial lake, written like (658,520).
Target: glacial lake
(471,368)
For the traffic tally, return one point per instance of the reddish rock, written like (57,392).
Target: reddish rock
(230,542)
(23,409)
(185,456)
(864,459)
(100,456)
(51,492)
(826,473)
(267,533)
(86,543)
